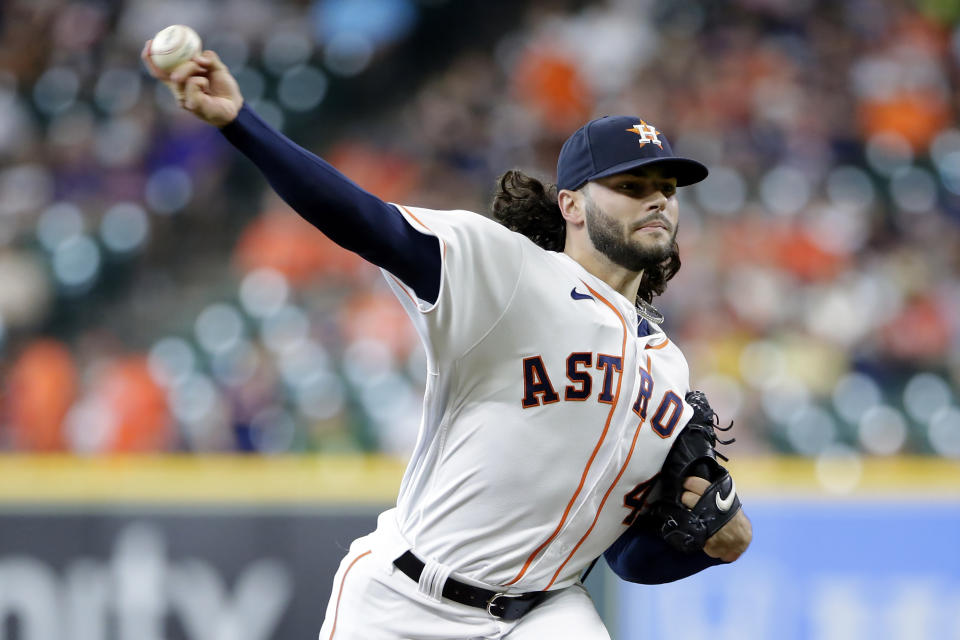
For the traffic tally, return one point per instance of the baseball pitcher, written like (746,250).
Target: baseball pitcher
(558,421)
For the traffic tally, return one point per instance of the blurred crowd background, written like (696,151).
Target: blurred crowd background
(156,297)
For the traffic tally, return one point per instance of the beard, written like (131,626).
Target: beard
(610,238)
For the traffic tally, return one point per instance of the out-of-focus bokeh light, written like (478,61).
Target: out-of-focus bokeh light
(811,430)
(117,90)
(171,361)
(347,53)
(233,49)
(925,395)
(76,262)
(252,83)
(285,330)
(168,190)
(271,112)
(219,328)
(913,190)
(237,364)
(56,90)
(322,396)
(300,366)
(194,402)
(59,222)
(367,361)
(882,430)
(841,230)
(854,395)
(302,88)
(120,142)
(784,400)
(944,432)
(89,425)
(723,192)
(850,188)
(24,188)
(263,292)
(785,190)
(284,50)
(124,227)
(25,289)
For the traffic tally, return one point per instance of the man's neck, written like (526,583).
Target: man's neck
(624,281)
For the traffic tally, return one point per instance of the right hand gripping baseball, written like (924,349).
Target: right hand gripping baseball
(203,86)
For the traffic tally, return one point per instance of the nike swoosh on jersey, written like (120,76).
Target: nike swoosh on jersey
(724,504)
(576,295)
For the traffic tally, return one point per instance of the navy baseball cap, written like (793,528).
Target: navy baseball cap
(615,144)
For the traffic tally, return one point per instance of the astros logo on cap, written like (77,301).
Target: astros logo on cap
(646,133)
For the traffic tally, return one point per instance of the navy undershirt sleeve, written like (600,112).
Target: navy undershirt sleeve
(639,555)
(353,218)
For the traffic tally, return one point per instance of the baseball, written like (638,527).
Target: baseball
(174,45)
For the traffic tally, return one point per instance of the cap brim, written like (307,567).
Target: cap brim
(685,170)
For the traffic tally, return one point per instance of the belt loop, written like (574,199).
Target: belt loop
(433,578)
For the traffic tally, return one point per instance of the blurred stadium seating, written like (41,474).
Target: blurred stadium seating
(154,296)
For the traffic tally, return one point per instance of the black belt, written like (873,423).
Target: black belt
(506,606)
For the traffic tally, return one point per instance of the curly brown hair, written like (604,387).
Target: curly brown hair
(526,205)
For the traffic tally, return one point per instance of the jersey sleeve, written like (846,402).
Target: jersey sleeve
(481,271)
(350,216)
(641,556)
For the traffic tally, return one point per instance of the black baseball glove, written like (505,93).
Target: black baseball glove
(693,454)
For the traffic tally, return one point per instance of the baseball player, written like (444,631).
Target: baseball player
(554,402)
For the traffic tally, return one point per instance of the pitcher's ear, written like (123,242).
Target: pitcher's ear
(572,206)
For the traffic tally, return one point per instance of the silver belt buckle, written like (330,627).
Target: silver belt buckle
(493,601)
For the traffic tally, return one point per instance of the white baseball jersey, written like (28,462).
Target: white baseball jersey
(544,411)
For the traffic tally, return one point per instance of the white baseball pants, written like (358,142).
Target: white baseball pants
(373,600)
